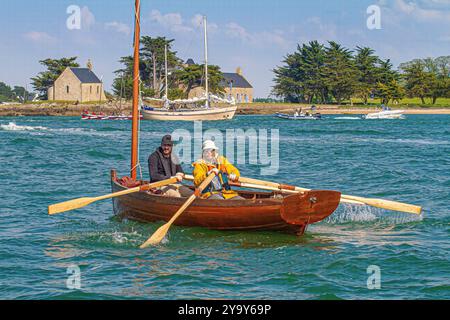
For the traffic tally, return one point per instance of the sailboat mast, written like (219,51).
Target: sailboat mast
(165,57)
(135,118)
(206,61)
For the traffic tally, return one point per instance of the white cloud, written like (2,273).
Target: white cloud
(171,21)
(236,31)
(118,27)
(197,23)
(39,37)
(87,18)
(436,11)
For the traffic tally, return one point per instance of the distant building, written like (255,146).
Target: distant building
(77,84)
(235,85)
(238,87)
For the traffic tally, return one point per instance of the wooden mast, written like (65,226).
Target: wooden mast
(206,61)
(135,122)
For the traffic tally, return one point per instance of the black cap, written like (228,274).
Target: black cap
(167,139)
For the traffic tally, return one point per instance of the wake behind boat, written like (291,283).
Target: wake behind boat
(101,116)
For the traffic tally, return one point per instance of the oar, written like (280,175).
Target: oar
(82,202)
(379,203)
(159,234)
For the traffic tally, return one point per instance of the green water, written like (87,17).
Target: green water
(45,160)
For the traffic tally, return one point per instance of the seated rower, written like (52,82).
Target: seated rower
(212,162)
(163,165)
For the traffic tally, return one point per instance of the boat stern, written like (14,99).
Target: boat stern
(309,207)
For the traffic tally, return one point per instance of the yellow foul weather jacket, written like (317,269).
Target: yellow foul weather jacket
(201,169)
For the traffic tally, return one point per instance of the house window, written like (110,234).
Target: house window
(238,97)
(246,98)
(98,89)
(90,89)
(67,89)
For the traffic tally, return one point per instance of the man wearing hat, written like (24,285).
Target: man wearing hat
(162,165)
(210,162)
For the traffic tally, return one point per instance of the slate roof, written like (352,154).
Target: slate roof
(238,80)
(190,62)
(85,75)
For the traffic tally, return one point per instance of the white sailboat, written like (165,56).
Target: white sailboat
(205,112)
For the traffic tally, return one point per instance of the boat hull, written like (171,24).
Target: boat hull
(212,114)
(259,210)
(300,117)
(397,114)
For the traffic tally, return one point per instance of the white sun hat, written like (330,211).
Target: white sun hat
(209,144)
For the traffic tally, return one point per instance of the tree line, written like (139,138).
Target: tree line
(317,73)
(16,94)
(182,78)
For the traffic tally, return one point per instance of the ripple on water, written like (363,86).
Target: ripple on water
(55,159)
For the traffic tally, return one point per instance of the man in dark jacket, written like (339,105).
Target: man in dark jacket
(162,165)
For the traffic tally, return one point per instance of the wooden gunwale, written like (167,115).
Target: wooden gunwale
(260,212)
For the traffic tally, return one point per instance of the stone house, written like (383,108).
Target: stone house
(238,87)
(235,85)
(77,84)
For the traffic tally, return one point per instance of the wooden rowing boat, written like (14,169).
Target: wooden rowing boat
(259,210)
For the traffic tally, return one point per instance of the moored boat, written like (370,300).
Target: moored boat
(302,116)
(205,112)
(259,211)
(201,114)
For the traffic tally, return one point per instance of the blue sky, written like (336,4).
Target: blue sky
(254,35)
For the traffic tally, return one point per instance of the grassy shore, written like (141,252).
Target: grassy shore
(61,108)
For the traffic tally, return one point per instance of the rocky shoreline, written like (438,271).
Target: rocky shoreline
(67,109)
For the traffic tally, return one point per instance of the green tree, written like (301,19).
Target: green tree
(153,55)
(366,63)
(301,77)
(340,73)
(193,76)
(151,69)
(54,68)
(390,91)
(6,93)
(427,78)
(418,82)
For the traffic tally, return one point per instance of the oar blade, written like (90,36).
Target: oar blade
(387,204)
(69,205)
(157,236)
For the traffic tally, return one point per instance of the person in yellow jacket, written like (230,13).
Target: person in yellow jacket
(225,171)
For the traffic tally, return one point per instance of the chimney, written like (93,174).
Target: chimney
(89,64)
(239,71)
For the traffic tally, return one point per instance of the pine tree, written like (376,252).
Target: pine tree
(340,72)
